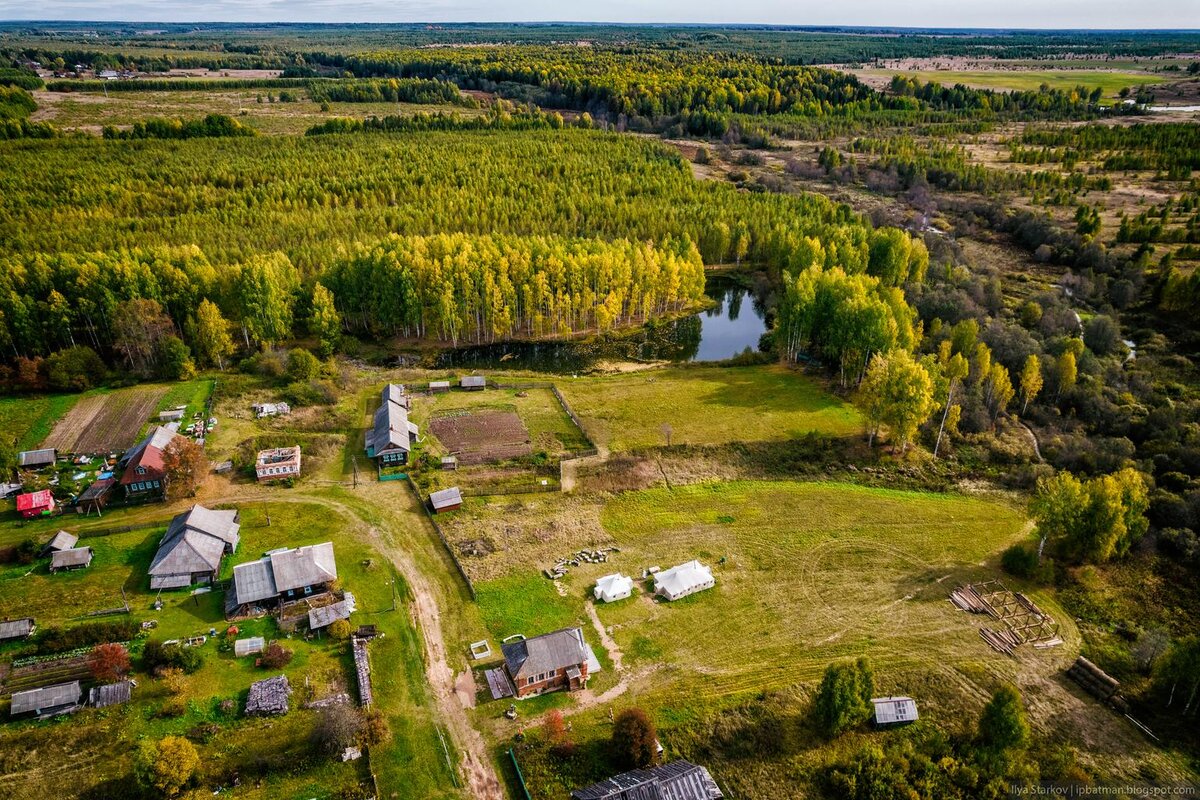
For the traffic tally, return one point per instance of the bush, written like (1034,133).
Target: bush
(310,393)
(1002,724)
(375,728)
(302,365)
(158,657)
(167,766)
(268,364)
(338,727)
(58,639)
(340,630)
(75,369)
(109,663)
(633,739)
(1019,560)
(276,656)
(844,699)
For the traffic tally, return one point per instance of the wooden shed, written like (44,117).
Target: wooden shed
(446,500)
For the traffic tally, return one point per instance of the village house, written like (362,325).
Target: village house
(280,576)
(278,464)
(61,541)
(13,629)
(192,549)
(613,587)
(48,701)
(392,437)
(36,504)
(75,558)
(446,500)
(891,711)
(547,663)
(676,780)
(682,580)
(36,459)
(145,476)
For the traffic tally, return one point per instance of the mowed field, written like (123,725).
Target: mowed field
(1109,82)
(105,422)
(707,405)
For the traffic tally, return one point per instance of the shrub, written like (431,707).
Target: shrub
(844,699)
(1019,560)
(1002,724)
(340,630)
(337,728)
(633,739)
(166,766)
(302,365)
(109,663)
(375,728)
(158,657)
(75,369)
(58,639)
(276,656)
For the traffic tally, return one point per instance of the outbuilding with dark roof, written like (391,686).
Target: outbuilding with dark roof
(48,701)
(75,558)
(676,780)
(36,459)
(192,549)
(110,694)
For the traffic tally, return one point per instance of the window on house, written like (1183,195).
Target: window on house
(308,590)
(141,470)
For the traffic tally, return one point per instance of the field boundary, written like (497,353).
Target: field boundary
(442,535)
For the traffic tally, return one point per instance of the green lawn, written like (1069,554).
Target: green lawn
(1022,80)
(706,405)
(28,420)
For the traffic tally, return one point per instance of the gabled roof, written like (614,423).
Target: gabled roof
(32,500)
(279,571)
(682,577)
(195,542)
(677,780)
(47,697)
(110,694)
(392,429)
(61,541)
(446,498)
(253,581)
(16,628)
(615,583)
(550,651)
(75,557)
(37,458)
(147,453)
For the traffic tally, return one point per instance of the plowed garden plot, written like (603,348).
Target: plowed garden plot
(105,423)
(478,437)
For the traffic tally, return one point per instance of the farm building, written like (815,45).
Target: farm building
(327,615)
(250,646)
(192,549)
(36,459)
(171,415)
(676,780)
(145,475)
(280,575)
(270,409)
(549,662)
(682,580)
(48,701)
(278,464)
(613,587)
(449,462)
(394,393)
(473,383)
(36,504)
(446,500)
(75,558)
(7,490)
(11,629)
(439,386)
(95,497)
(61,541)
(269,697)
(894,710)
(392,436)
(112,694)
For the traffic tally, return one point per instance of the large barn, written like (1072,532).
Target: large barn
(192,549)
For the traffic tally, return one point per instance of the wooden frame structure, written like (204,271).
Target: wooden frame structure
(1024,622)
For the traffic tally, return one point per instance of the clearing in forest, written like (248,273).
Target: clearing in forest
(105,423)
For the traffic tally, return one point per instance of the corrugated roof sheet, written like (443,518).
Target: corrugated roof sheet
(391,429)
(283,570)
(16,628)
(62,541)
(75,557)
(677,780)
(327,615)
(37,458)
(46,698)
(195,542)
(97,490)
(147,453)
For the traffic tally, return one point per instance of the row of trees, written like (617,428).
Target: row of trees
(210,125)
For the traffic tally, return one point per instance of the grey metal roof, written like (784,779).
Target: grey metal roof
(195,542)
(110,694)
(391,428)
(545,653)
(677,780)
(37,458)
(269,696)
(446,498)
(46,698)
(278,572)
(61,541)
(394,393)
(889,710)
(254,581)
(327,615)
(16,628)
(170,581)
(471,381)
(75,557)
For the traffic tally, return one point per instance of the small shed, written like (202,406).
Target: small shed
(325,616)
(48,701)
(269,697)
(112,694)
(61,541)
(250,646)
(613,587)
(36,459)
(894,711)
(36,504)
(473,383)
(11,629)
(171,415)
(446,500)
(75,558)
(449,462)
(439,386)
(95,497)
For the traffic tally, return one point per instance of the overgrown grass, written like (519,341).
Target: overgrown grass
(28,420)
(1029,80)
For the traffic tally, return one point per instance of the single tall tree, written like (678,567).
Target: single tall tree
(325,322)
(166,766)
(213,344)
(1031,381)
(109,662)
(633,738)
(898,392)
(844,698)
(185,467)
(954,370)
(1002,724)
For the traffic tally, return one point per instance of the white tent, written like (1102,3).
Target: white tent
(683,580)
(613,587)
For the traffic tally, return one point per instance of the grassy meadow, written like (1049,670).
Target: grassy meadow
(706,405)
(1109,81)
(28,420)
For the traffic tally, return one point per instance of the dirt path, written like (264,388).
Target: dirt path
(1037,451)
(476,767)
(569,468)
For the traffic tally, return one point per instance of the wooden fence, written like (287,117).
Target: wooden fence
(442,535)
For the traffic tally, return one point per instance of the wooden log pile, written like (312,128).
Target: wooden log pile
(1094,680)
(967,599)
(561,567)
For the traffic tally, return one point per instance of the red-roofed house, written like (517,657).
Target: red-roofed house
(35,504)
(145,475)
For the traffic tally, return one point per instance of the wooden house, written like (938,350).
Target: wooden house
(473,383)
(278,463)
(61,541)
(675,780)
(112,694)
(192,549)
(14,629)
(280,576)
(36,504)
(95,497)
(48,701)
(392,437)
(145,476)
(547,663)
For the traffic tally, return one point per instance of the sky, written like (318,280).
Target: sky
(909,13)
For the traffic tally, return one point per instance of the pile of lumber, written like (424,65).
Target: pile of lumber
(967,599)
(1001,641)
